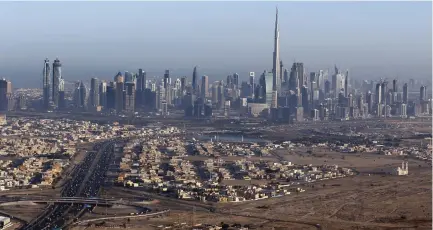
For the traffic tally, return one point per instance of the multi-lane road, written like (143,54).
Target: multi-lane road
(86,182)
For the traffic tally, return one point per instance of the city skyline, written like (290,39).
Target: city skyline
(251,54)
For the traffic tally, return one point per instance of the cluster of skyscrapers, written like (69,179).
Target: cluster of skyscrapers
(53,89)
(282,94)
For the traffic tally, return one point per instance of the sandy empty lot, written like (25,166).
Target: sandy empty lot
(362,162)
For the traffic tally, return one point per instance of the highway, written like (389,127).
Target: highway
(85,182)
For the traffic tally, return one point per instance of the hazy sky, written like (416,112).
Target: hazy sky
(371,39)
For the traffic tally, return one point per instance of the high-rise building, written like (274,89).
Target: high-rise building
(369,100)
(183,85)
(194,81)
(403,111)
(215,92)
(346,84)
(77,95)
(321,79)
(103,93)
(236,80)
(62,100)
(338,82)
(94,92)
(423,93)
(304,99)
(327,87)
(293,78)
(268,78)
(274,103)
(286,76)
(313,78)
(384,91)
(281,72)
(141,80)
(57,75)
(204,87)
(229,82)
(394,86)
(405,93)
(301,75)
(378,95)
(80,95)
(296,76)
(140,86)
(276,85)
(128,77)
(160,94)
(84,95)
(46,84)
(6,100)
(221,95)
(111,96)
(120,85)
(21,102)
(252,83)
(166,78)
(129,97)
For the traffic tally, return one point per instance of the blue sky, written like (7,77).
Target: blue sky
(371,39)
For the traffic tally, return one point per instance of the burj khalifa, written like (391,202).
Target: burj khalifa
(276,64)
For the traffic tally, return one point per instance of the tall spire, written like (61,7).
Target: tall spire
(276,23)
(276,62)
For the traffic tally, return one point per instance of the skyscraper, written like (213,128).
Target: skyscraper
(378,94)
(62,101)
(346,84)
(80,95)
(423,93)
(130,97)
(281,72)
(46,84)
(183,85)
(120,85)
(140,87)
(236,80)
(338,82)
(77,95)
(405,93)
(286,76)
(194,80)
(293,81)
(276,84)
(313,78)
(229,81)
(94,92)
(166,78)
(57,75)
(141,80)
(103,93)
(221,95)
(204,87)
(252,83)
(111,96)
(83,95)
(268,80)
(6,103)
(384,92)
(394,86)
(128,77)
(214,93)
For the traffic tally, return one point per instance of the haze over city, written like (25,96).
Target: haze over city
(215,115)
(373,40)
